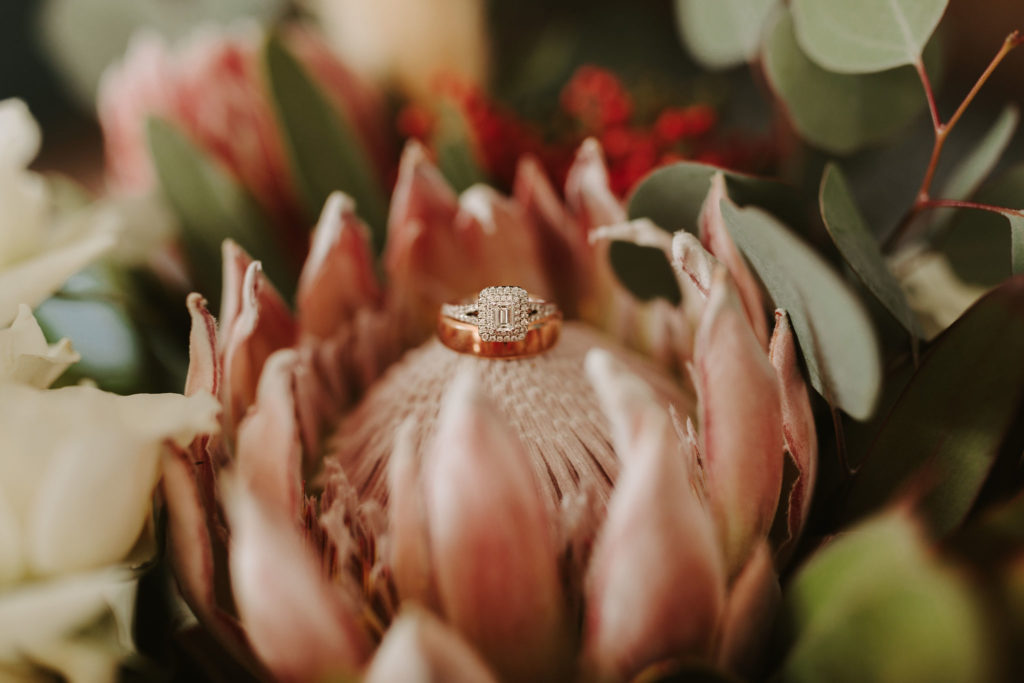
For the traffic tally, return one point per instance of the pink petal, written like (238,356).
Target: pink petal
(269,451)
(566,255)
(407,522)
(749,613)
(797,427)
(741,423)
(300,624)
(419,255)
(191,550)
(495,237)
(204,361)
(492,540)
(419,647)
(235,261)
(693,264)
(716,239)
(656,583)
(263,325)
(338,278)
(587,190)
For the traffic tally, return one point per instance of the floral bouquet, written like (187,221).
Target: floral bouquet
(487,355)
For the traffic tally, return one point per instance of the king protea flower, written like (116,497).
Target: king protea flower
(378,505)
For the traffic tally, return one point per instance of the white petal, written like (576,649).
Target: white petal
(32,280)
(25,356)
(20,136)
(80,465)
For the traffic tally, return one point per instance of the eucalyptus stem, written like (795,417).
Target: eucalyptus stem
(942,130)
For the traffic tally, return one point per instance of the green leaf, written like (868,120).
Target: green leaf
(975,167)
(877,604)
(859,249)
(454,149)
(1016,243)
(949,423)
(867,35)
(977,242)
(325,151)
(833,329)
(722,33)
(212,207)
(671,197)
(839,113)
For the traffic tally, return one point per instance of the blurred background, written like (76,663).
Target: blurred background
(52,53)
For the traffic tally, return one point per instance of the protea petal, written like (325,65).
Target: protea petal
(263,325)
(656,583)
(419,647)
(565,253)
(741,423)
(299,623)
(407,522)
(588,192)
(269,451)
(497,242)
(203,359)
(492,540)
(191,549)
(693,264)
(716,239)
(338,278)
(798,429)
(419,255)
(753,602)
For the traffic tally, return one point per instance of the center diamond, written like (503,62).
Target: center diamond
(503,314)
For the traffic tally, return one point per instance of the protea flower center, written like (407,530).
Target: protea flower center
(547,401)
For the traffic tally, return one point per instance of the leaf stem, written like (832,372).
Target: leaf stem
(942,130)
(956,204)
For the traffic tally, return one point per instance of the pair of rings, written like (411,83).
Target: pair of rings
(503,322)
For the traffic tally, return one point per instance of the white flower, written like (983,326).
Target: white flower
(409,42)
(38,250)
(77,471)
(25,356)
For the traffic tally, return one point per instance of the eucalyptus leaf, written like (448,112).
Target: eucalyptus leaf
(877,604)
(977,243)
(1016,244)
(326,153)
(867,35)
(212,206)
(839,113)
(834,331)
(948,425)
(975,167)
(454,149)
(672,197)
(859,249)
(722,33)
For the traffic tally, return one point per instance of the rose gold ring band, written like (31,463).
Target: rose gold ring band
(504,322)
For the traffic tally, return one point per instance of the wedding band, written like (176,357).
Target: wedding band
(503,322)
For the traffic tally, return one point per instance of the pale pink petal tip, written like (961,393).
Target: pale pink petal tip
(299,623)
(656,583)
(741,423)
(269,451)
(338,278)
(716,239)
(420,648)
(693,263)
(798,428)
(492,540)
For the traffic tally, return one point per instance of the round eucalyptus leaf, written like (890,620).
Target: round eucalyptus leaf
(867,35)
